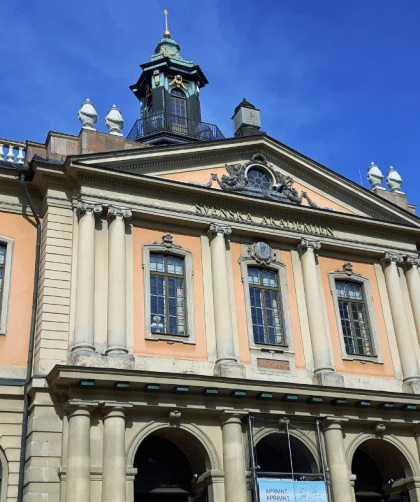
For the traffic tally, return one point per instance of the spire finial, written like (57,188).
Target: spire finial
(166,33)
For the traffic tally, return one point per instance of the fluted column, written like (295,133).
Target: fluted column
(78,454)
(233,458)
(226,364)
(85,279)
(117,333)
(323,361)
(341,488)
(413,282)
(409,364)
(114,461)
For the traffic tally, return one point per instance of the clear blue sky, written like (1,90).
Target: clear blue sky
(337,81)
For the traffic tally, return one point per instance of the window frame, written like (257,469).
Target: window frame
(267,350)
(167,247)
(350,276)
(9,243)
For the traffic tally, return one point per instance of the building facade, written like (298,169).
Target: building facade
(210,314)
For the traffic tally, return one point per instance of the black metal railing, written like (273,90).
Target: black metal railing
(170,123)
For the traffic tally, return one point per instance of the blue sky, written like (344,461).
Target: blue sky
(337,81)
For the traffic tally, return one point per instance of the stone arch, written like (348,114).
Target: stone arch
(200,441)
(4,475)
(406,458)
(308,446)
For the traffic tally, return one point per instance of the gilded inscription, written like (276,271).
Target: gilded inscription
(268,221)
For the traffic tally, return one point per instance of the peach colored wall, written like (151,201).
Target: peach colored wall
(244,353)
(236,250)
(356,367)
(294,314)
(161,348)
(14,345)
(318,199)
(203,176)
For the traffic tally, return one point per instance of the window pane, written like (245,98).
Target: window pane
(269,278)
(253,275)
(157,304)
(340,287)
(2,254)
(157,262)
(355,291)
(175,265)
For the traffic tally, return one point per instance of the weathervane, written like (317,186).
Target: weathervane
(167,33)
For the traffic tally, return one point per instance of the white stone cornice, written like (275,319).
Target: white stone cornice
(119,213)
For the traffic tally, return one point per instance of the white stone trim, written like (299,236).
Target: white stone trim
(4,476)
(266,350)
(164,248)
(6,283)
(367,293)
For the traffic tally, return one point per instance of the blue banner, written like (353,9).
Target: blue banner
(275,490)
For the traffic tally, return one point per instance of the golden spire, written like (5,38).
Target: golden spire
(166,33)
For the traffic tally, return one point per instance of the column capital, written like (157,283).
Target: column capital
(309,245)
(75,405)
(88,208)
(232,416)
(411,261)
(115,409)
(333,422)
(389,258)
(219,229)
(119,213)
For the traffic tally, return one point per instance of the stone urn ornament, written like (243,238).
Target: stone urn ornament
(114,121)
(87,115)
(394,180)
(375,177)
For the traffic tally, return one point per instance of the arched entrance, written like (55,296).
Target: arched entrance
(274,456)
(380,470)
(170,463)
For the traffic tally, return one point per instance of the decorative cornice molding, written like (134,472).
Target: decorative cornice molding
(119,213)
(309,245)
(88,208)
(219,229)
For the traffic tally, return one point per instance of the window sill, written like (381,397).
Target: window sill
(170,338)
(279,349)
(362,359)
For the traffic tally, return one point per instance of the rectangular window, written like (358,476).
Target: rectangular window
(354,321)
(267,321)
(167,294)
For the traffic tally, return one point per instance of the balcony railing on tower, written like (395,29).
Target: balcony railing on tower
(155,124)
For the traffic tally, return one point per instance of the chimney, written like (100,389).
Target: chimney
(246,120)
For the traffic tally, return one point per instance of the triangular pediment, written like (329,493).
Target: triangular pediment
(225,166)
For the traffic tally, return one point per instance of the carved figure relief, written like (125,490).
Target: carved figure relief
(177,81)
(258,178)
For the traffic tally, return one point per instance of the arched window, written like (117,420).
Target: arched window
(178,104)
(179,112)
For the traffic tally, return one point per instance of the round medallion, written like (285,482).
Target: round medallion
(262,250)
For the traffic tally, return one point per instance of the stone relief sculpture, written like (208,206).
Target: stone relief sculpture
(258,178)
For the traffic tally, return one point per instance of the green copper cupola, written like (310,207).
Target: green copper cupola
(169,93)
